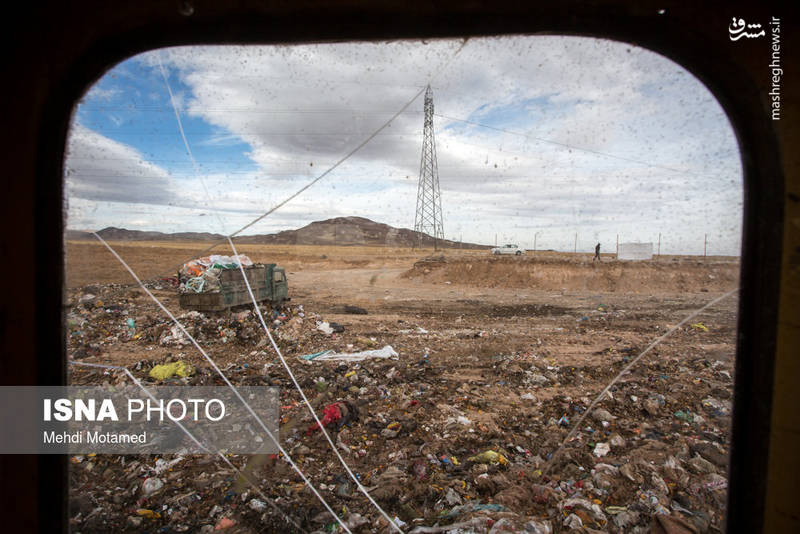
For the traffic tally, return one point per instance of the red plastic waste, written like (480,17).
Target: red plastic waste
(332,413)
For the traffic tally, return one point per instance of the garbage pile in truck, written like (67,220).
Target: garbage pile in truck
(203,274)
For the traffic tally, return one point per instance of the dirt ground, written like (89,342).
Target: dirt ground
(500,354)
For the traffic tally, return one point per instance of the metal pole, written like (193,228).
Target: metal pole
(617,246)
(576,243)
(705,245)
(659,245)
(495,239)
(534,244)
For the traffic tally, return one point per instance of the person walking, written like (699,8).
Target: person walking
(596,253)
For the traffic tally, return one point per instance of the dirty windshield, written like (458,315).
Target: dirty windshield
(493,281)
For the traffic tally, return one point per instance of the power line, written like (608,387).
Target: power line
(355,479)
(159,109)
(301,190)
(219,372)
(625,369)
(564,145)
(193,438)
(339,133)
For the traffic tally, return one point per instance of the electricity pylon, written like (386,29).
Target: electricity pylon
(429,200)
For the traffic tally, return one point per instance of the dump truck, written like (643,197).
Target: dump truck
(268,282)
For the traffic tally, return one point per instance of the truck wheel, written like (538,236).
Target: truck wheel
(518,253)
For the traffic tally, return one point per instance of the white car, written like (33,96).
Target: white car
(508,249)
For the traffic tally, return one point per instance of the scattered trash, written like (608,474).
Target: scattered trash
(337,413)
(451,497)
(385,352)
(152,485)
(180,369)
(163,465)
(365,341)
(663,524)
(149,514)
(392,430)
(473,507)
(489,457)
(700,326)
(459,437)
(684,416)
(325,327)
(356,521)
(538,527)
(601,449)
(654,403)
(717,407)
(477,524)
(336,328)
(315,355)
(602,415)
(573,521)
(257,505)
(225,523)
(616,441)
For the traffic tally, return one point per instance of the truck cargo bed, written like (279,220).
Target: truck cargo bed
(233,290)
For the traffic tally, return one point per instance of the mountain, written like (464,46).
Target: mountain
(349,231)
(338,231)
(121,234)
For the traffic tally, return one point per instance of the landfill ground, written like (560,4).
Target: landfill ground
(461,432)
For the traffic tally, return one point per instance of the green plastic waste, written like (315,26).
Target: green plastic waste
(489,457)
(684,416)
(168,370)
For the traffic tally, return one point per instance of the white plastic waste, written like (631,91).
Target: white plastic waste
(385,352)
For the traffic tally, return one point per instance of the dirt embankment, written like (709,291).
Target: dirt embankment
(557,274)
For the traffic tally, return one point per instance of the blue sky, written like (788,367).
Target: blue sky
(571,135)
(131,105)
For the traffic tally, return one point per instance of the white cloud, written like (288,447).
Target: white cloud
(101,169)
(98,93)
(302,108)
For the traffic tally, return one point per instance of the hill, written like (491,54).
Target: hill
(342,231)
(122,234)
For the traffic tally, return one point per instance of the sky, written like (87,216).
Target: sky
(538,138)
